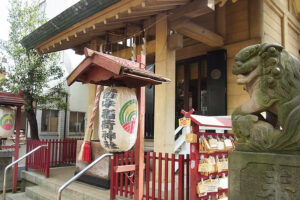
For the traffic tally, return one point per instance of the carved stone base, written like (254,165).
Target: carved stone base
(6,159)
(263,176)
(99,174)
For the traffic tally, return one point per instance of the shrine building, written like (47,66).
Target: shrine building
(190,42)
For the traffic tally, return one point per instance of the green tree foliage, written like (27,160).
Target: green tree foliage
(33,74)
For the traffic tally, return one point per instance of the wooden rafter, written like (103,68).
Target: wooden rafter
(117,15)
(192,10)
(221,3)
(188,28)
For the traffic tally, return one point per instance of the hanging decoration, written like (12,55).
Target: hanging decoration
(118,119)
(7,122)
(85,151)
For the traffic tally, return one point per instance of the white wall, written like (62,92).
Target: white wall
(78,93)
(78,99)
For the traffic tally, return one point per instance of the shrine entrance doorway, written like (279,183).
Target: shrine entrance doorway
(201,84)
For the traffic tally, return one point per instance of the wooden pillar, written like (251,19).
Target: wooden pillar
(164,113)
(17,148)
(285,28)
(139,145)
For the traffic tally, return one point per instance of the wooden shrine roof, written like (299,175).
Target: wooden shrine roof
(92,19)
(104,69)
(11,99)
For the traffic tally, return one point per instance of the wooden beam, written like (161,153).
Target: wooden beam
(193,9)
(154,8)
(197,32)
(124,168)
(192,51)
(126,53)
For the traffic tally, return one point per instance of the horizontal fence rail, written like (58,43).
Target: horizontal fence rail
(60,153)
(162,180)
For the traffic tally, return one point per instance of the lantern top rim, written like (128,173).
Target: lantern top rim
(103,69)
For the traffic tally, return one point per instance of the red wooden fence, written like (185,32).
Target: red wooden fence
(163,187)
(39,160)
(60,153)
(63,152)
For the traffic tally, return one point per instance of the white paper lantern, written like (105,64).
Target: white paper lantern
(7,122)
(118,119)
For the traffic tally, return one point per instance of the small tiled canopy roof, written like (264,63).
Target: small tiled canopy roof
(103,69)
(211,121)
(11,99)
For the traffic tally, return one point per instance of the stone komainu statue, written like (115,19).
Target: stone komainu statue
(271,76)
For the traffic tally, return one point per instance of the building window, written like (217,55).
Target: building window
(77,122)
(49,120)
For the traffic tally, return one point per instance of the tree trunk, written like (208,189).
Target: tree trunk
(33,124)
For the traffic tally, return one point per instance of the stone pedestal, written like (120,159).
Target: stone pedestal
(6,159)
(263,176)
(99,174)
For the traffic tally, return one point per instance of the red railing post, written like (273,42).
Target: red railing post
(153,174)
(147,174)
(180,177)
(126,179)
(187,161)
(121,174)
(166,176)
(17,149)
(159,174)
(116,181)
(173,177)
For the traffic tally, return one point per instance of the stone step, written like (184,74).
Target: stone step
(17,196)
(76,191)
(39,193)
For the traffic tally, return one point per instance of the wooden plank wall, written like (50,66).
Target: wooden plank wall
(281,26)
(238,36)
(237,21)
(240,28)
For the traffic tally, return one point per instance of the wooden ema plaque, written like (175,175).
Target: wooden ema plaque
(208,157)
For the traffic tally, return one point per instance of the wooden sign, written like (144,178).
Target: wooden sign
(191,138)
(185,122)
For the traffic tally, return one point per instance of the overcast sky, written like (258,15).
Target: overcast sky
(53,10)
(4,26)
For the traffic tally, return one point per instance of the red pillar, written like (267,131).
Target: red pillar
(139,146)
(17,147)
